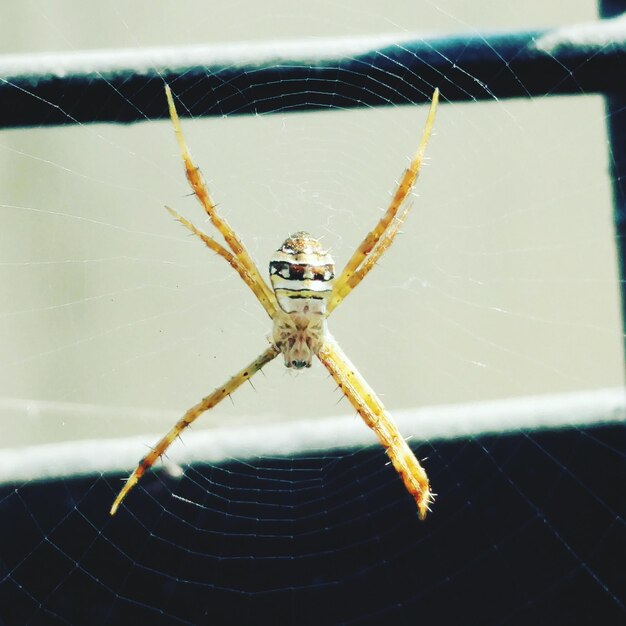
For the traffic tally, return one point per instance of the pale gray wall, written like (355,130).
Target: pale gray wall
(503,283)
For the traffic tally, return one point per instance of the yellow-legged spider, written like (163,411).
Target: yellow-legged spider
(304,293)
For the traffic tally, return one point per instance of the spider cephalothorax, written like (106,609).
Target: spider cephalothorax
(302,274)
(299,337)
(303,294)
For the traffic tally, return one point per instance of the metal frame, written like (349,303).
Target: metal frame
(126,85)
(616,125)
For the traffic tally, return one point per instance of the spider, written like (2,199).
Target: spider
(304,293)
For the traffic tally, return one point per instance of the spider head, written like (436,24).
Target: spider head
(300,347)
(297,351)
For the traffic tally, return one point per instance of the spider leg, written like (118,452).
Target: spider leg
(230,258)
(373,413)
(368,263)
(208,240)
(190,416)
(383,234)
(201,191)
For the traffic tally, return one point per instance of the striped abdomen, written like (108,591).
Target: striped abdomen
(302,275)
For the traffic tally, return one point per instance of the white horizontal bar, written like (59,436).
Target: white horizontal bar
(290,438)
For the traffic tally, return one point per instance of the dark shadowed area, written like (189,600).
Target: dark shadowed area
(527,529)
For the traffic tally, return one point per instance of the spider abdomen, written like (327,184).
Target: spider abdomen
(302,276)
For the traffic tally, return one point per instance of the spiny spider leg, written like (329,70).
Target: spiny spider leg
(384,242)
(373,413)
(233,261)
(190,416)
(371,244)
(256,282)
(209,242)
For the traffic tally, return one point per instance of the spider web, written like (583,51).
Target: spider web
(491,330)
